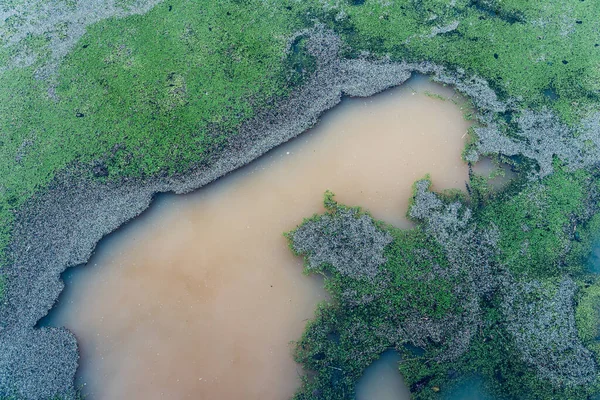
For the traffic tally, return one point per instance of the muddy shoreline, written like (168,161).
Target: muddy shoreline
(60,227)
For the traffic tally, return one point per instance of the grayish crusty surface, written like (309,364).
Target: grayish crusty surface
(349,242)
(542,324)
(37,363)
(540,319)
(470,252)
(62,22)
(541,136)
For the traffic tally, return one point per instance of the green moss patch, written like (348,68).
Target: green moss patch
(454,288)
(145,94)
(542,225)
(587,315)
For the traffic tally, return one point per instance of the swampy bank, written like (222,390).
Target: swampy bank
(105,103)
(200,297)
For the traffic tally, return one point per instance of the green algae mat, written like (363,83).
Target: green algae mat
(493,284)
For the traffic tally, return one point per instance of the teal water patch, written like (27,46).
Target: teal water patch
(594,259)
(472,388)
(382,380)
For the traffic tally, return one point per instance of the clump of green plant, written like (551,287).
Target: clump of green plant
(2,286)
(452,287)
(588,316)
(146,94)
(420,293)
(522,49)
(435,95)
(344,240)
(542,225)
(540,319)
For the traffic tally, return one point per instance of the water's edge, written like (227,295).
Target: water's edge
(225,241)
(61,227)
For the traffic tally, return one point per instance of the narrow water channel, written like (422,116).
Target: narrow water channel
(200,297)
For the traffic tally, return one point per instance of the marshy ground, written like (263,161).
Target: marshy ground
(104,103)
(201,296)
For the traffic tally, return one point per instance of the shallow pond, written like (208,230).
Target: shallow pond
(200,296)
(499,175)
(594,259)
(472,388)
(382,380)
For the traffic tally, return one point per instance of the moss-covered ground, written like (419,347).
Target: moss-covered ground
(545,53)
(421,300)
(146,94)
(161,92)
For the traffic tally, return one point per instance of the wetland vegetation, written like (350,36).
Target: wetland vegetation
(497,288)
(219,253)
(493,283)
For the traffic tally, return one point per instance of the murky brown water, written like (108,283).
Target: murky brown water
(200,297)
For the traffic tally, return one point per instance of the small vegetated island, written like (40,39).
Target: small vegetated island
(104,103)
